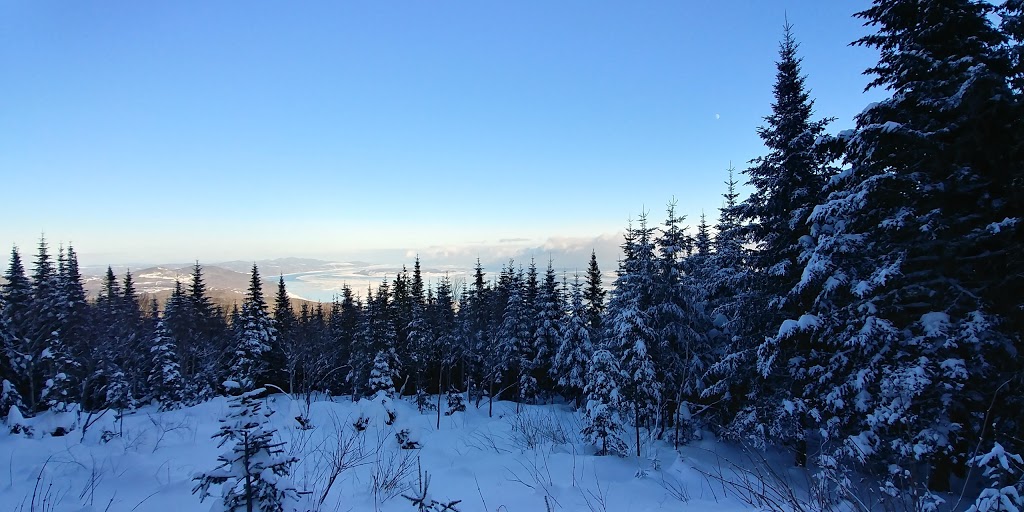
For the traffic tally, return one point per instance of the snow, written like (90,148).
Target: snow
(935,323)
(512,461)
(805,323)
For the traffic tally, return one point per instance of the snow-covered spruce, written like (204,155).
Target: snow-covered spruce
(254,474)
(602,421)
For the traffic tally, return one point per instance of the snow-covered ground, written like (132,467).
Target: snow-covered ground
(513,461)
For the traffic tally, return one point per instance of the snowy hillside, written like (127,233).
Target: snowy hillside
(514,461)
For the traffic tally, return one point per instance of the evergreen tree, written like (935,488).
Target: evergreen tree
(916,251)
(787,184)
(208,348)
(416,285)
(382,375)
(376,336)
(444,322)
(548,334)
(255,471)
(702,241)
(400,310)
(56,369)
(255,336)
(724,286)
(10,400)
(575,348)
(286,353)
(421,346)
(132,359)
(678,317)
(474,319)
(16,297)
(164,379)
(594,295)
(516,354)
(345,331)
(75,312)
(602,424)
(628,328)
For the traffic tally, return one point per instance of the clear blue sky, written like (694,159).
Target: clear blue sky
(171,131)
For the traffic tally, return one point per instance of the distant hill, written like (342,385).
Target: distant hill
(225,287)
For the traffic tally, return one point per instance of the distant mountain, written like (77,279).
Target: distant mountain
(225,286)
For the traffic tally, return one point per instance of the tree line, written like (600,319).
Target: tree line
(864,299)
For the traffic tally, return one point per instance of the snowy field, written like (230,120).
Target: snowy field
(532,459)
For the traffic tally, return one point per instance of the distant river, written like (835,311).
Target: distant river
(324,285)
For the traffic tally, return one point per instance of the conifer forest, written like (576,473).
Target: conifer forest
(859,313)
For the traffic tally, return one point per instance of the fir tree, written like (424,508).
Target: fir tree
(575,348)
(628,329)
(548,334)
(56,368)
(907,319)
(286,352)
(594,295)
(255,336)
(678,317)
(787,184)
(602,422)
(164,379)
(723,287)
(383,375)
(207,347)
(702,240)
(254,472)
(376,336)
(16,297)
(75,311)
(515,355)
(345,332)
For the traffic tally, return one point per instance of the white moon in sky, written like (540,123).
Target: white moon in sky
(717,116)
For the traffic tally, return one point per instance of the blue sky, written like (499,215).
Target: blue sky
(175,131)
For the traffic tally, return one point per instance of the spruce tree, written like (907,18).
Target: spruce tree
(787,184)
(56,369)
(256,334)
(602,423)
(514,359)
(702,240)
(16,295)
(724,286)
(376,337)
(915,252)
(254,472)
(594,295)
(628,330)
(208,348)
(165,382)
(345,333)
(382,374)
(75,312)
(548,334)
(287,351)
(575,348)
(679,318)
(474,316)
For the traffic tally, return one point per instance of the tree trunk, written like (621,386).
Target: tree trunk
(636,411)
(801,451)
(676,436)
